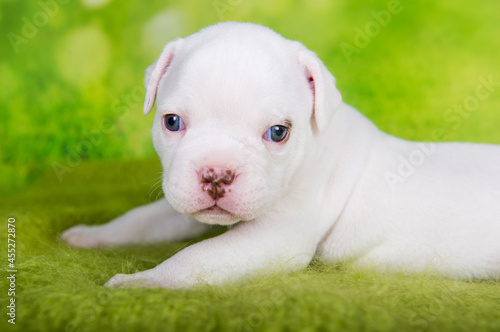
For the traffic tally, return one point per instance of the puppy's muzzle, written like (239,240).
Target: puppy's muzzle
(215,181)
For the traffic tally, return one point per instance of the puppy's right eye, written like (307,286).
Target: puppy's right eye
(173,122)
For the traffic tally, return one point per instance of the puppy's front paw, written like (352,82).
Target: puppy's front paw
(117,281)
(136,280)
(83,236)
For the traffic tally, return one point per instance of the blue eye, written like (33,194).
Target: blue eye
(276,133)
(173,122)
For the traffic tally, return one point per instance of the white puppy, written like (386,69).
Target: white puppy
(251,132)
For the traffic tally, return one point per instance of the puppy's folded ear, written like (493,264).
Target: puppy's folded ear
(327,97)
(155,72)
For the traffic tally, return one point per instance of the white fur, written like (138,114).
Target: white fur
(325,191)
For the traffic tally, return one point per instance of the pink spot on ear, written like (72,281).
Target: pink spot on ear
(310,80)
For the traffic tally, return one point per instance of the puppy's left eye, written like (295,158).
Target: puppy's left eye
(276,133)
(173,122)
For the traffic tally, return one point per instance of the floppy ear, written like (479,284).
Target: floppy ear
(155,72)
(327,97)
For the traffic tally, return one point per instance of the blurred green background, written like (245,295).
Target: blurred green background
(71,71)
(72,129)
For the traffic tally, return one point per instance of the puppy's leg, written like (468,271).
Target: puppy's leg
(155,222)
(280,244)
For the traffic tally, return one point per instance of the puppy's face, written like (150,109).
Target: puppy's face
(233,120)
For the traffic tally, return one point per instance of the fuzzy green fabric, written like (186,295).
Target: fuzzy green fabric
(60,288)
(75,148)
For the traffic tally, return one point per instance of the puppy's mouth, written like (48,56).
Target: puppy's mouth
(216,215)
(215,209)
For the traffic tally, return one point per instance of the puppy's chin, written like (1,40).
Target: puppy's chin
(216,216)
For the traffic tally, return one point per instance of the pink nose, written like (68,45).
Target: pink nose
(215,181)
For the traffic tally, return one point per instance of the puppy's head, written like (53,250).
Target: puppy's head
(237,107)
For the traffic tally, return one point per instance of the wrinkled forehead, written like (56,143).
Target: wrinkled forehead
(223,74)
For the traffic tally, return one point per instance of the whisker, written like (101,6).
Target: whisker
(156,186)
